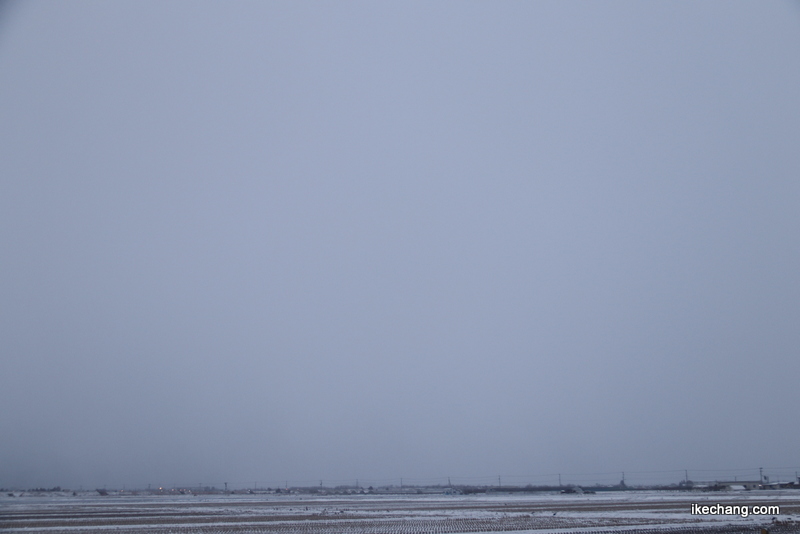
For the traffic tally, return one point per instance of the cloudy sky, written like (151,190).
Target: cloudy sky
(269,241)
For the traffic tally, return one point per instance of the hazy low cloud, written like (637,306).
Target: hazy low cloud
(314,241)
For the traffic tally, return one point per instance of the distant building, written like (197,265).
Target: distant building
(729,485)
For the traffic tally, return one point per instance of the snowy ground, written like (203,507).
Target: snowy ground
(631,512)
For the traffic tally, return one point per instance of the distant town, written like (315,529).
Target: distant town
(412,489)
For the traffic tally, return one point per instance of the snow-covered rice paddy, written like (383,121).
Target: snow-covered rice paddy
(630,512)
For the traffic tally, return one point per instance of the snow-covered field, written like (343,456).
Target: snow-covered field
(632,512)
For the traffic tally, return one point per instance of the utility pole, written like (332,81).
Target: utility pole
(761,474)
(448,483)
(559,479)
(498,481)
(226,487)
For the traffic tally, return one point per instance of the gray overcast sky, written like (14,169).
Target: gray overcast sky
(258,241)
